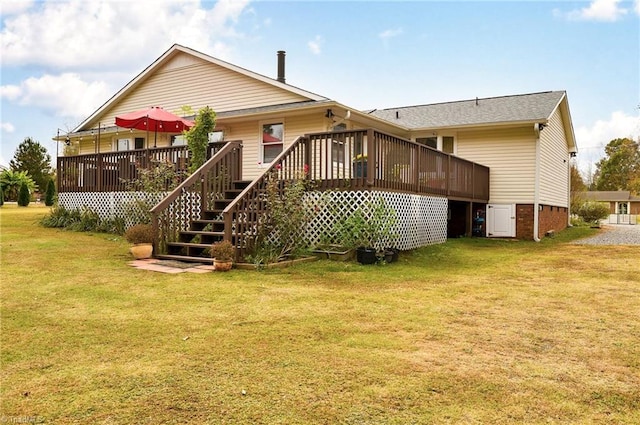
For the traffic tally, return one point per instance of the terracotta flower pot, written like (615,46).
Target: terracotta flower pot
(141,250)
(222,265)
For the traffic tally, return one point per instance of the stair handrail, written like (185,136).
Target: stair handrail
(228,211)
(193,178)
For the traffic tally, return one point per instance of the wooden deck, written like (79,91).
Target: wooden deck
(355,160)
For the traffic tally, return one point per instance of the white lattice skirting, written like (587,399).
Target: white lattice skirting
(421,220)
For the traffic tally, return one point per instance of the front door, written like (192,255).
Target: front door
(501,220)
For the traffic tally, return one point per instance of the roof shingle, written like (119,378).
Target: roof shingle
(505,109)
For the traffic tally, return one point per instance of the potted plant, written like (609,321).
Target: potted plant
(368,229)
(142,237)
(222,253)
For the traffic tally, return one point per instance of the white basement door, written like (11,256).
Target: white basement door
(501,220)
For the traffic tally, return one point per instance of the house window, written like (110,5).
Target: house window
(216,136)
(432,142)
(338,145)
(447,144)
(272,136)
(123,144)
(178,140)
(139,143)
(337,151)
(442,143)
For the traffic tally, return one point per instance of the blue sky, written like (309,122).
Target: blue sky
(61,60)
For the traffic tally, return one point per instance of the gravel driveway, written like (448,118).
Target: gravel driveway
(614,234)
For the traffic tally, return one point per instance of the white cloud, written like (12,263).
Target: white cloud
(591,140)
(636,7)
(11,92)
(65,95)
(315,45)
(12,7)
(7,127)
(598,10)
(95,34)
(387,34)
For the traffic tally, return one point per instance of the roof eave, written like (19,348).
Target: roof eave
(484,125)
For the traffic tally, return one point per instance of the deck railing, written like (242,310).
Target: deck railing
(112,171)
(197,193)
(374,160)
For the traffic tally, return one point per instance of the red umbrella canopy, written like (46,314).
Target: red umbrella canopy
(154,119)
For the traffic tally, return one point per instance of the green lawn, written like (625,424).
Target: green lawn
(471,332)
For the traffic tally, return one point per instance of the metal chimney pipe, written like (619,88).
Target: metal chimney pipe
(281,54)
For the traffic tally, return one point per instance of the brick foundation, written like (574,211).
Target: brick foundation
(549,218)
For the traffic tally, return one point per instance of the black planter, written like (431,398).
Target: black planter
(366,255)
(392,253)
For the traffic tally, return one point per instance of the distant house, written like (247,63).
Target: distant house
(623,205)
(496,167)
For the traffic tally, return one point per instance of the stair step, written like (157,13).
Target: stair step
(200,232)
(190,245)
(241,184)
(199,225)
(185,258)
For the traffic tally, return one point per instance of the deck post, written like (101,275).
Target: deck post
(371,157)
(98,172)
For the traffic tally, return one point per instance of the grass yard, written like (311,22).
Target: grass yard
(473,331)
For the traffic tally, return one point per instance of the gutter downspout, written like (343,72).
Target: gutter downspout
(536,188)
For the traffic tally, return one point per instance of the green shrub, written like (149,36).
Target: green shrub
(81,220)
(223,251)
(1,196)
(279,235)
(140,233)
(51,193)
(592,212)
(24,196)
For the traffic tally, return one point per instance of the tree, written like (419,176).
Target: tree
(577,182)
(620,169)
(11,181)
(51,193)
(198,137)
(1,196)
(24,197)
(33,158)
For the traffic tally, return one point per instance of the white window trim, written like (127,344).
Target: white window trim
(261,163)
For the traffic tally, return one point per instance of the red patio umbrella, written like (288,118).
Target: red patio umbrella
(154,119)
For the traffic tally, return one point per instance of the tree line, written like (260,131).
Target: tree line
(29,172)
(619,169)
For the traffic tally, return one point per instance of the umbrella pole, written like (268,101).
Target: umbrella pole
(146,124)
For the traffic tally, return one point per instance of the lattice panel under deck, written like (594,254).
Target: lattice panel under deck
(421,220)
(106,204)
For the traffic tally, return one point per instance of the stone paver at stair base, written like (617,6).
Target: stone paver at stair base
(158,266)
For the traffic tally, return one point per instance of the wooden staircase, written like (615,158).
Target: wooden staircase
(193,244)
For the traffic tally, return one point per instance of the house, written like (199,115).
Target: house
(444,167)
(624,206)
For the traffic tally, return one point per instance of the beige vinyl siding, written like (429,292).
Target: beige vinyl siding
(554,163)
(249,133)
(510,154)
(186,80)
